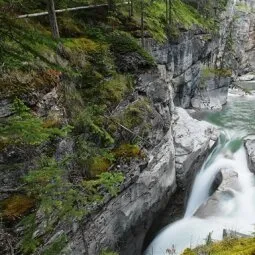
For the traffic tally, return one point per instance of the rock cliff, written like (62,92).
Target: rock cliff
(124,222)
(201,65)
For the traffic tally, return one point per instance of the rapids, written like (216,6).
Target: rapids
(236,121)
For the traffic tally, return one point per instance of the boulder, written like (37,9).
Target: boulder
(246,77)
(221,202)
(193,141)
(250,149)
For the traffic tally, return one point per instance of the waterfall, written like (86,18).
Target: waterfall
(237,210)
(240,210)
(221,158)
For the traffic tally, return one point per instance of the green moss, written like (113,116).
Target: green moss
(82,45)
(18,83)
(183,16)
(69,27)
(188,251)
(210,72)
(123,43)
(155,20)
(92,60)
(98,165)
(16,206)
(135,114)
(186,16)
(244,246)
(127,151)
(27,42)
(111,91)
(115,89)
(108,252)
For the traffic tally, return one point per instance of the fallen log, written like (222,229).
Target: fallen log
(65,10)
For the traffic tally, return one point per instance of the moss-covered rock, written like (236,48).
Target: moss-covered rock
(16,206)
(27,85)
(136,113)
(229,246)
(127,150)
(98,165)
(129,55)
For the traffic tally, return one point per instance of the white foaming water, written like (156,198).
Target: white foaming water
(239,209)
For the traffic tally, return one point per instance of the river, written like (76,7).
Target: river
(234,208)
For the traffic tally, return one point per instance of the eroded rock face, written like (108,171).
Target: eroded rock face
(243,37)
(126,218)
(250,149)
(202,67)
(192,139)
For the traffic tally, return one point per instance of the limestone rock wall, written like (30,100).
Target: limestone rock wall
(201,66)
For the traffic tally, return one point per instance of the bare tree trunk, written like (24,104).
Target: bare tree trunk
(129,8)
(167,13)
(167,18)
(170,12)
(53,19)
(111,5)
(142,22)
(132,8)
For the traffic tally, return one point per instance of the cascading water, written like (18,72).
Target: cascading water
(236,204)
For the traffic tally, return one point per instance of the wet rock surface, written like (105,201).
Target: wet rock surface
(192,139)
(214,206)
(250,149)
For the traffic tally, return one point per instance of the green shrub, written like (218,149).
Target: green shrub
(123,43)
(24,128)
(109,181)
